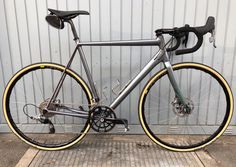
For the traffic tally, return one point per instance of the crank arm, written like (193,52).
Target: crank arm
(119,121)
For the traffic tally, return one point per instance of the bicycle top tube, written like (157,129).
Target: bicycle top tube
(142,42)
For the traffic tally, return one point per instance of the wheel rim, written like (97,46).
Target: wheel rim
(43,140)
(173,142)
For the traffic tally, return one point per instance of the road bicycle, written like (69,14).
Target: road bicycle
(195,99)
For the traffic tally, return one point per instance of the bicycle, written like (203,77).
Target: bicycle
(49,120)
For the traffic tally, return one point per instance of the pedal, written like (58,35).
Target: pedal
(120,129)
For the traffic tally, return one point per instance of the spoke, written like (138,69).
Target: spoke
(172,120)
(39,86)
(156,93)
(63,127)
(156,102)
(18,103)
(156,108)
(188,85)
(168,120)
(204,107)
(196,93)
(21,92)
(24,128)
(160,112)
(203,130)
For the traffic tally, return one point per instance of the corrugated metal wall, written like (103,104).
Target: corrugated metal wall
(25,38)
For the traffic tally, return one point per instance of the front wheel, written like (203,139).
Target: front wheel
(29,91)
(165,120)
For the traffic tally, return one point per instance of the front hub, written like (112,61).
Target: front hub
(182,110)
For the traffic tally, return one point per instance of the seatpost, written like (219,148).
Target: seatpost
(73,30)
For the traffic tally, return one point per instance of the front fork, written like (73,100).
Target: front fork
(178,92)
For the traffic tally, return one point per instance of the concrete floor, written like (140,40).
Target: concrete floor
(223,151)
(132,150)
(11,150)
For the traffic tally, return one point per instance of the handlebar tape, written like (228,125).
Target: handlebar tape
(194,48)
(199,32)
(178,33)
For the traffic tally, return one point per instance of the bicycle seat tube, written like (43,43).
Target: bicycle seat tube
(84,62)
(85,65)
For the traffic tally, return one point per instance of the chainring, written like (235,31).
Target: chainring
(98,119)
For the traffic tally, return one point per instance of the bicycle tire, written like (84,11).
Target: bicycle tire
(162,139)
(13,124)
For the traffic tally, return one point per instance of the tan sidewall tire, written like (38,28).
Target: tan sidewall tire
(157,75)
(43,65)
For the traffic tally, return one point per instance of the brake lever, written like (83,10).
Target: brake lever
(185,41)
(186,35)
(212,39)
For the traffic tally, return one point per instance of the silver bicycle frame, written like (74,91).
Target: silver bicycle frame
(160,56)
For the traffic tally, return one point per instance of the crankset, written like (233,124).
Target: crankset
(103,119)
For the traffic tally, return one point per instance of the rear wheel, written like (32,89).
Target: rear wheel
(29,91)
(164,118)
